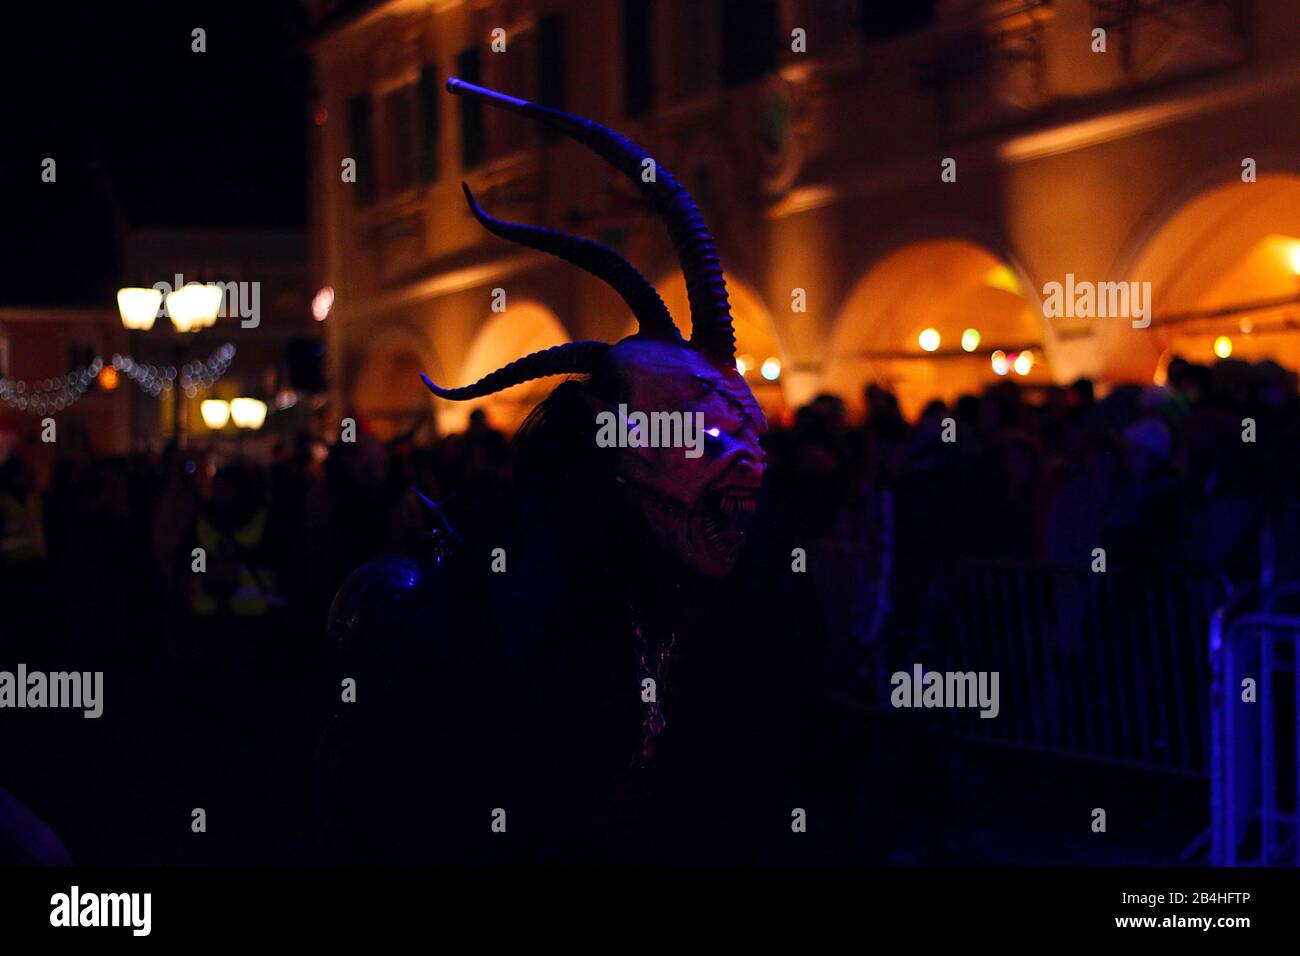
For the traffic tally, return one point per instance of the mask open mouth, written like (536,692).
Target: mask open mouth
(727,515)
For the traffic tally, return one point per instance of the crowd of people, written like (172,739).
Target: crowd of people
(215,674)
(1189,471)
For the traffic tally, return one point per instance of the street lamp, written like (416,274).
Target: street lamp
(215,412)
(192,307)
(247,413)
(138,308)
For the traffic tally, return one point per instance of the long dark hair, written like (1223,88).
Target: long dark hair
(561,475)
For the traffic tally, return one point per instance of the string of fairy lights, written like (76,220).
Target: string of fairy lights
(56,394)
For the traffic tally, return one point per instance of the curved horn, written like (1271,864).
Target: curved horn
(571,357)
(711,325)
(602,262)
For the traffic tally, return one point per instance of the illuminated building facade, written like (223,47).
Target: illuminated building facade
(878,183)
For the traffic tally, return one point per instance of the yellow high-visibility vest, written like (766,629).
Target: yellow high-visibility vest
(22,532)
(255,592)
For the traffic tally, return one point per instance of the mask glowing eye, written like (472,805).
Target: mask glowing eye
(714,432)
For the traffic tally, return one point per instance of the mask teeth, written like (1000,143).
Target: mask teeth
(711,532)
(734,503)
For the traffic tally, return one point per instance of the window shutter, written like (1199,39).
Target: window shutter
(550,66)
(430,120)
(360,141)
(550,60)
(749,39)
(638,57)
(469,67)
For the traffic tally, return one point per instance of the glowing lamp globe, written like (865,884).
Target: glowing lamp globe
(138,307)
(248,412)
(215,412)
(193,306)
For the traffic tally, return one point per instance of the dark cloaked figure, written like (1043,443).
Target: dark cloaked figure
(592,672)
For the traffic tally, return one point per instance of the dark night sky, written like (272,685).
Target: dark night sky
(144,131)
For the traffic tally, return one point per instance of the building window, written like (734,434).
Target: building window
(687,65)
(532,68)
(518,73)
(882,20)
(360,148)
(430,123)
(550,67)
(638,57)
(832,25)
(397,140)
(550,60)
(469,67)
(749,39)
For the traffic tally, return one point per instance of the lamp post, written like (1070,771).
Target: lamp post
(192,308)
(138,309)
(246,414)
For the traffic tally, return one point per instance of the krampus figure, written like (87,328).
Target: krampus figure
(581,675)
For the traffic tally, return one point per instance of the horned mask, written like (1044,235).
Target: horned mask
(695,505)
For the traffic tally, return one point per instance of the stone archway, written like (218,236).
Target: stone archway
(757,346)
(944,286)
(386,392)
(1225,263)
(523,328)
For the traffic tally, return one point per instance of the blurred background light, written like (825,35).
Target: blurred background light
(215,412)
(138,307)
(321,303)
(248,412)
(193,307)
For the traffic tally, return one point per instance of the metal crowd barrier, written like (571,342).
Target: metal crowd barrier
(1109,667)
(1101,666)
(1256,773)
